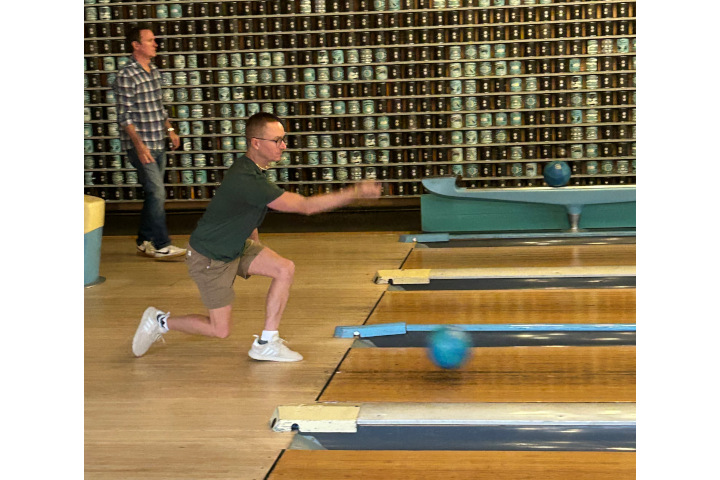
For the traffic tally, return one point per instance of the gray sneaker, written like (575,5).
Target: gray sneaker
(273,351)
(145,249)
(171,251)
(149,331)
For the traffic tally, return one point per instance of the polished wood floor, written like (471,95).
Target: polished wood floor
(551,306)
(497,374)
(199,408)
(444,465)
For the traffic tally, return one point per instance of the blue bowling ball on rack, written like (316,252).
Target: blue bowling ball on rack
(449,347)
(557,173)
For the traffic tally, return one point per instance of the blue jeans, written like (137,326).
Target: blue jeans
(153,226)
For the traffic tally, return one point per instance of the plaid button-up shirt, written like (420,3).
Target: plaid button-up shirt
(139,101)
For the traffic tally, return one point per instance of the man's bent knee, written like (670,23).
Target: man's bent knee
(222,331)
(285,270)
(289,269)
(220,320)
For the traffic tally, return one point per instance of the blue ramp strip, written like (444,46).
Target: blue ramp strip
(401,328)
(366,331)
(535,327)
(517,338)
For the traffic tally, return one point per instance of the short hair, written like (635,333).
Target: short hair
(256,124)
(134,35)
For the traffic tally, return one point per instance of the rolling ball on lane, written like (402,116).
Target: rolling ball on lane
(449,347)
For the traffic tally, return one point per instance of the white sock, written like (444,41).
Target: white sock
(268,335)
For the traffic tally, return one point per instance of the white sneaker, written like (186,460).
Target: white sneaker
(171,251)
(148,332)
(145,249)
(273,351)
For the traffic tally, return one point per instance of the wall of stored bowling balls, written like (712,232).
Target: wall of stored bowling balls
(394,90)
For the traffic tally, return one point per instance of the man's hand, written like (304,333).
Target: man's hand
(175,140)
(369,189)
(144,153)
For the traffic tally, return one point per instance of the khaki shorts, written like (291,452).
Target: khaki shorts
(215,278)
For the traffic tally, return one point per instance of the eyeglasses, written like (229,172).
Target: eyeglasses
(277,141)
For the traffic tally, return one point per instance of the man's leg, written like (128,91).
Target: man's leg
(272,348)
(154,323)
(266,263)
(217,324)
(282,271)
(215,282)
(153,226)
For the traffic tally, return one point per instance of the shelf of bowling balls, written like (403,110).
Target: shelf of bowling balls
(372,39)
(404,147)
(535,49)
(301,103)
(403,48)
(375,96)
(421,129)
(319,116)
(401,78)
(117,194)
(389,113)
(429,164)
(391,98)
(431,160)
(630,107)
(345,128)
(319,100)
(388,80)
(621,98)
(382,20)
(538,142)
(319,182)
(432,163)
(379,22)
(269,41)
(415,51)
(418,130)
(418,114)
(407,128)
(488,15)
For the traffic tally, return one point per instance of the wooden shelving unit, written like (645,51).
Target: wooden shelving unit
(486,90)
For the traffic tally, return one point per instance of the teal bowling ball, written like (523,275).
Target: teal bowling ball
(449,348)
(557,173)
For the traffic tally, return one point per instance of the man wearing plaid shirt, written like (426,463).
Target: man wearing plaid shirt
(143,123)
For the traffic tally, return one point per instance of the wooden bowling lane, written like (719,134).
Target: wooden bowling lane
(499,374)
(601,306)
(534,256)
(427,465)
